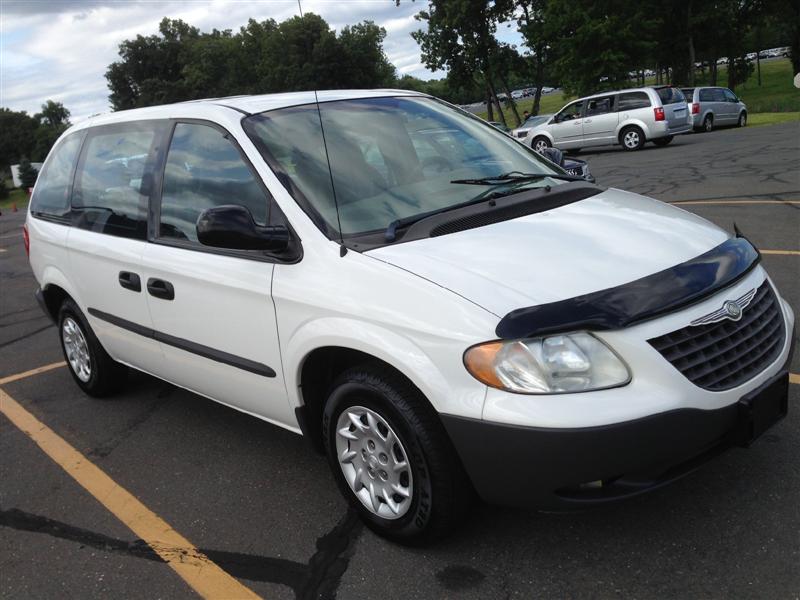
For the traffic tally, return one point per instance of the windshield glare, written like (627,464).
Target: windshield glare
(390,158)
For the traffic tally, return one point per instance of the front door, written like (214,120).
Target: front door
(212,309)
(567,126)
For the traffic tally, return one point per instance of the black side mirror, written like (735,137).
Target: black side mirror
(232,226)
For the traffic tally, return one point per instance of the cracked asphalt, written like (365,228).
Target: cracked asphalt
(255,500)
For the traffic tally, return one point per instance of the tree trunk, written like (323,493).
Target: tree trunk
(537,95)
(732,74)
(691,44)
(493,93)
(712,71)
(511,100)
(489,105)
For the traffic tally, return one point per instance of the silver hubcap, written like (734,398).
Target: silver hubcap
(540,145)
(374,462)
(708,124)
(77,349)
(742,120)
(631,139)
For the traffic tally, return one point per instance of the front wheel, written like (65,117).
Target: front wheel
(540,144)
(631,138)
(742,119)
(664,140)
(392,458)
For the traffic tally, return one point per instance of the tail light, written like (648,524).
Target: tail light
(695,108)
(659,113)
(26,239)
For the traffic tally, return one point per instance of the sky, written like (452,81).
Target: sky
(60,49)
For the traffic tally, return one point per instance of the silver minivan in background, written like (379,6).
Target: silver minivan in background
(712,106)
(629,117)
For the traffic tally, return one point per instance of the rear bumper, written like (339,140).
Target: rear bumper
(563,468)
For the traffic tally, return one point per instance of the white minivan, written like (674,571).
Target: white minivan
(440,310)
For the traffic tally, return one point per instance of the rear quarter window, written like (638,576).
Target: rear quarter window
(632,100)
(670,95)
(53,189)
(706,95)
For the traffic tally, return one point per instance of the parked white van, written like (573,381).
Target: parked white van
(436,307)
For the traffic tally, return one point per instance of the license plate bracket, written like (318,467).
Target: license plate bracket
(761,409)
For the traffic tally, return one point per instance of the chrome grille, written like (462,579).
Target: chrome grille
(721,355)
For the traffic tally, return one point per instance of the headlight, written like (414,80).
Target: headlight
(574,362)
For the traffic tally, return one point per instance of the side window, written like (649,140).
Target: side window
(717,95)
(599,106)
(204,169)
(632,100)
(706,95)
(729,95)
(571,112)
(108,196)
(55,182)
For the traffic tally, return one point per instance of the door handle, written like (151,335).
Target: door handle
(160,289)
(587,120)
(130,281)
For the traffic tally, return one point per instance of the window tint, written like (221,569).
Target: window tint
(573,111)
(670,95)
(729,95)
(108,197)
(599,106)
(706,95)
(688,93)
(632,100)
(55,182)
(717,95)
(203,170)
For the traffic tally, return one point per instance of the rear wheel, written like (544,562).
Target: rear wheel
(664,140)
(631,138)
(540,143)
(742,119)
(708,123)
(391,456)
(95,372)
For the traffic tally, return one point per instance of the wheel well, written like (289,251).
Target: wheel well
(54,297)
(626,128)
(320,369)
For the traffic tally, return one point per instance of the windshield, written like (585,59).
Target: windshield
(390,159)
(536,121)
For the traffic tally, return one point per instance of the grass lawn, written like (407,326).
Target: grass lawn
(776,94)
(15,195)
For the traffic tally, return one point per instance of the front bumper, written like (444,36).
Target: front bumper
(553,468)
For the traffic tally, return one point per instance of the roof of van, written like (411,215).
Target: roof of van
(245,104)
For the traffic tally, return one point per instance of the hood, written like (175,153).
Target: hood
(604,241)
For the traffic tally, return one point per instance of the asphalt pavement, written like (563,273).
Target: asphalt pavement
(257,502)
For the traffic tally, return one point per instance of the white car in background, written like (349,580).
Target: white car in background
(530,123)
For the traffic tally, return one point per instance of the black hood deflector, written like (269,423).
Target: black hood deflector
(639,300)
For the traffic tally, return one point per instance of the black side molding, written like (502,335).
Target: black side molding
(639,300)
(193,347)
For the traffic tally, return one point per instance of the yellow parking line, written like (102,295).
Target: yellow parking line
(36,371)
(781,252)
(794,378)
(204,576)
(685,202)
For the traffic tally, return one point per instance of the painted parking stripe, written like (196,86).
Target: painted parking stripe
(687,202)
(204,576)
(36,371)
(794,378)
(781,252)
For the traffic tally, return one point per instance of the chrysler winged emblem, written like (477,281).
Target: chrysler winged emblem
(731,309)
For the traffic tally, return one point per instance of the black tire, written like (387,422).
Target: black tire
(632,138)
(742,122)
(540,140)
(441,494)
(664,140)
(106,375)
(708,124)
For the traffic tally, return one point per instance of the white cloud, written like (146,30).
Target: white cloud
(61,49)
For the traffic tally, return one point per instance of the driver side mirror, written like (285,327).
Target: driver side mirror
(231,226)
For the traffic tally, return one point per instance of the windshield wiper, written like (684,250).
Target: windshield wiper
(391,230)
(515,176)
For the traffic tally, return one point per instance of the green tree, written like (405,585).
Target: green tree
(3,188)
(54,114)
(18,135)
(27,174)
(537,30)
